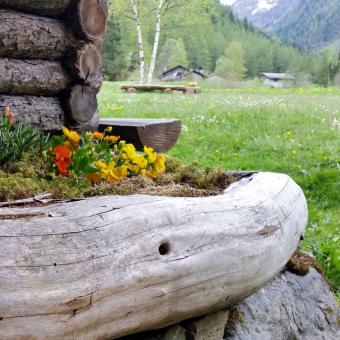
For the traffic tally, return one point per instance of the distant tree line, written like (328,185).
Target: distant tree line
(205,34)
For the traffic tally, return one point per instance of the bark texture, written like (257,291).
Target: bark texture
(45,113)
(32,77)
(80,103)
(107,267)
(40,7)
(32,37)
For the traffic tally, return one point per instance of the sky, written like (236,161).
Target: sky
(227,2)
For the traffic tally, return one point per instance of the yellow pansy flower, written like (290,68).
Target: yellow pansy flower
(151,154)
(71,135)
(130,152)
(159,164)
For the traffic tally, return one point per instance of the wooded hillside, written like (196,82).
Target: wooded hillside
(196,33)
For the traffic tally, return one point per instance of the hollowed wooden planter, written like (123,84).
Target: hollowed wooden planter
(106,267)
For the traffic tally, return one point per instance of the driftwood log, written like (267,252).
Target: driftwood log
(289,307)
(160,134)
(106,267)
(55,55)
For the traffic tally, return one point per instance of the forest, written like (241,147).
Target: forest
(206,35)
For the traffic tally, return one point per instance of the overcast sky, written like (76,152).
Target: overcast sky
(227,2)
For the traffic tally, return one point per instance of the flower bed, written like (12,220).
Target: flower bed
(73,165)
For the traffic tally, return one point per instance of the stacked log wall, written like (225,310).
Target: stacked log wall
(50,60)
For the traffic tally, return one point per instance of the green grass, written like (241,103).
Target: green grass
(295,131)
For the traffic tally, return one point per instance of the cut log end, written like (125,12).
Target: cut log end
(81,103)
(92,18)
(86,65)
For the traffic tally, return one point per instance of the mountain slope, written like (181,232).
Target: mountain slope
(308,25)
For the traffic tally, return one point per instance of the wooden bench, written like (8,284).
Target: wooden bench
(163,88)
(160,134)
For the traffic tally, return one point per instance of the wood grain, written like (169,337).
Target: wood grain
(93,269)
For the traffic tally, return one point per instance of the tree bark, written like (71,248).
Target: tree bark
(136,15)
(86,65)
(32,37)
(45,113)
(80,103)
(40,7)
(106,267)
(156,41)
(32,77)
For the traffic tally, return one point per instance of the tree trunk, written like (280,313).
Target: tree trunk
(40,7)
(80,103)
(135,10)
(106,267)
(45,113)
(156,42)
(86,65)
(32,77)
(32,37)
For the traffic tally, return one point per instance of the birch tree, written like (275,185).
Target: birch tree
(160,6)
(135,6)
(152,12)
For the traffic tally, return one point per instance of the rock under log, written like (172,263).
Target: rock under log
(160,134)
(28,36)
(32,77)
(86,65)
(45,113)
(40,7)
(107,267)
(80,103)
(88,19)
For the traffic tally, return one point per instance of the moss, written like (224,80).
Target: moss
(235,317)
(31,176)
(15,187)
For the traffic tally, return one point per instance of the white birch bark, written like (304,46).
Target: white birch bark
(136,15)
(156,41)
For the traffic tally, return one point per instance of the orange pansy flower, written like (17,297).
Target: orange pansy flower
(62,159)
(97,135)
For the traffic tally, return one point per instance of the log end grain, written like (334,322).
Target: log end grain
(80,103)
(92,18)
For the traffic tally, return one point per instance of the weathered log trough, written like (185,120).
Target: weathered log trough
(106,267)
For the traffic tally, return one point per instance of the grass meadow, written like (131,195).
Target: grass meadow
(294,131)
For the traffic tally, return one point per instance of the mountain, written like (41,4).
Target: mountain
(306,24)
